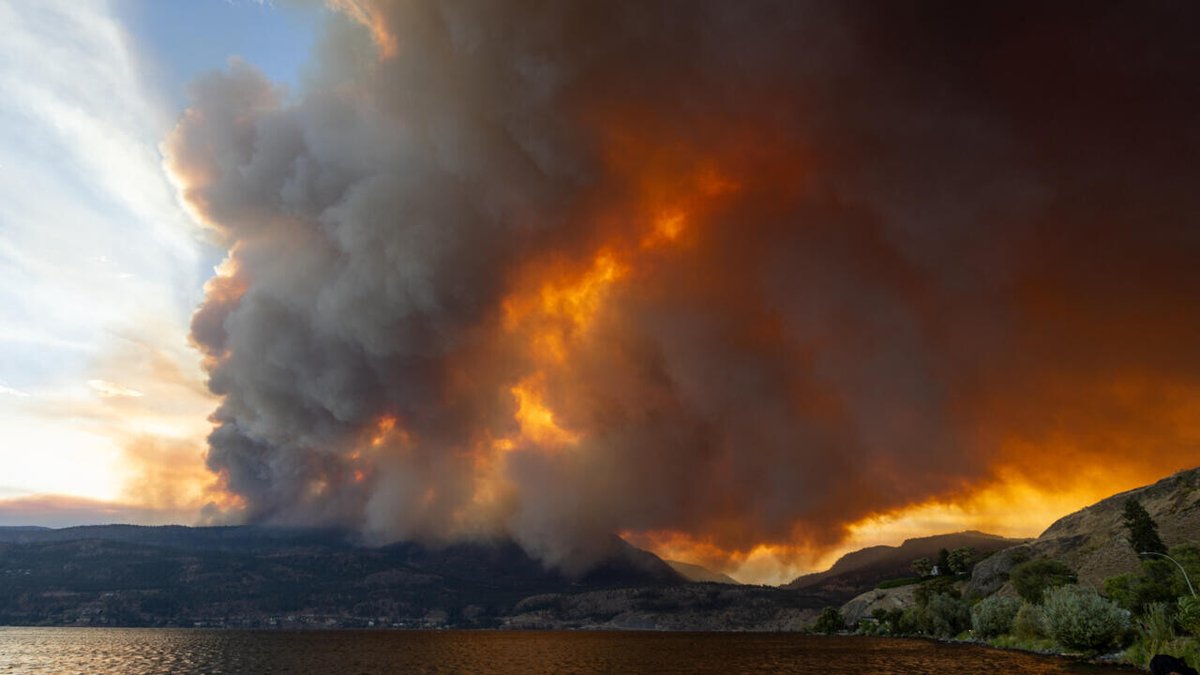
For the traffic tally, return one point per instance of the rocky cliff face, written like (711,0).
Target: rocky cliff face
(863,605)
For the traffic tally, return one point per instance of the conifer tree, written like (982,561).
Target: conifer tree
(1143,531)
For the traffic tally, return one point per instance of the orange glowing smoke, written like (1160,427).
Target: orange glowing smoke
(536,420)
(746,315)
(169,475)
(555,312)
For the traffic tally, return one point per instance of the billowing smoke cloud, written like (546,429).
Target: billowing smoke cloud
(741,272)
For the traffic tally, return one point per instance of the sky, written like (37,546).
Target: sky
(102,266)
(751,284)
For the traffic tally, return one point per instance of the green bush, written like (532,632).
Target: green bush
(1155,630)
(994,616)
(942,585)
(889,620)
(830,621)
(1033,578)
(947,616)
(942,615)
(1030,622)
(1189,614)
(1122,589)
(1079,618)
(1159,580)
(912,622)
(1144,649)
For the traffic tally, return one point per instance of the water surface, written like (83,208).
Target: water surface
(164,650)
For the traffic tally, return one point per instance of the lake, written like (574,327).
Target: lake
(163,650)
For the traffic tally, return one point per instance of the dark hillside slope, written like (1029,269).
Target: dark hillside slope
(862,570)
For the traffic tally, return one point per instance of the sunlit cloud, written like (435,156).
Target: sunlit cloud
(106,388)
(99,265)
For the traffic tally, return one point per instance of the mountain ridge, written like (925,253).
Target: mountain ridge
(1093,540)
(862,570)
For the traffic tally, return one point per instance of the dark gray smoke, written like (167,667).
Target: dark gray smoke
(917,243)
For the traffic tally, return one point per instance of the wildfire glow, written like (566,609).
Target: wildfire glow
(511,286)
(536,420)
(1010,506)
(383,427)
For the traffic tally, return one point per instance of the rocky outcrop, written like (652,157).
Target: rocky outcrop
(864,605)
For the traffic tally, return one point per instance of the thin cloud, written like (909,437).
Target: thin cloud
(113,390)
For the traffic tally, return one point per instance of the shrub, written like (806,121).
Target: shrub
(1140,652)
(1159,580)
(942,615)
(1123,590)
(1031,579)
(1157,622)
(994,616)
(1078,618)
(935,586)
(830,621)
(1030,622)
(889,619)
(947,616)
(1156,635)
(1189,614)
(912,621)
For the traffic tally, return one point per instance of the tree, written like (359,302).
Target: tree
(829,622)
(961,560)
(1033,578)
(922,566)
(943,562)
(1143,531)
(925,591)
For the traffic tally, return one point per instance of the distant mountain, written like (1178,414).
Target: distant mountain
(228,538)
(699,574)
(260,576)
(1094,542)
(862,570)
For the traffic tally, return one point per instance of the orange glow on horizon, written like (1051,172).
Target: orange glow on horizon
(1010,506)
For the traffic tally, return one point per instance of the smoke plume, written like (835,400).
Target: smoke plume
(744,273)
